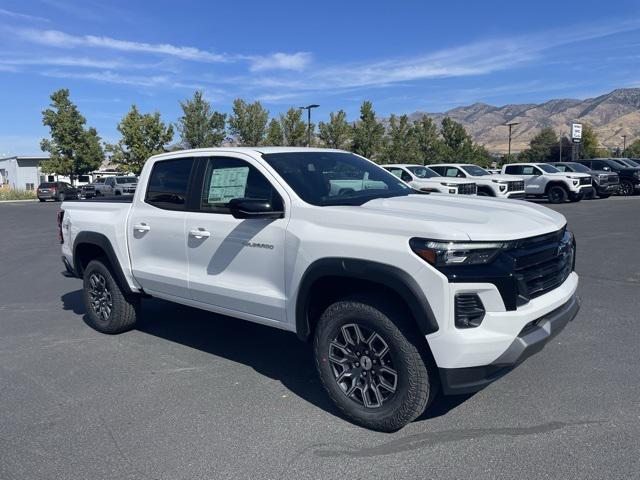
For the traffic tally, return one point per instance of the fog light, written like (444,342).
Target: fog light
(452,190)
(469,311)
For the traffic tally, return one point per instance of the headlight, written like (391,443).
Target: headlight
(447,184)
(441,253)
(499,181)
(637,174)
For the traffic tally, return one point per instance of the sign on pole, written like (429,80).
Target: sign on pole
(576,132)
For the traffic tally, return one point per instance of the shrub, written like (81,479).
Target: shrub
(14,194)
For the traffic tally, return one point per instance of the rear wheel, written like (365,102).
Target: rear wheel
(42,199)
(61,197)
(368,358)
(109,309)
(557,194)
(626,188)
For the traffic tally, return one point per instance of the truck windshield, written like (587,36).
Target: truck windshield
(422,172)
(577,167)
(335,178)
(548,168)
(475,171)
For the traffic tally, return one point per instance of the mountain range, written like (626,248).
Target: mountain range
(611,116)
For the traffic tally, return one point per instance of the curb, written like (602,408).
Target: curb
(19,201)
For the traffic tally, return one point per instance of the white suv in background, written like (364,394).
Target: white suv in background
(426,180)
(489,185)
(544,180)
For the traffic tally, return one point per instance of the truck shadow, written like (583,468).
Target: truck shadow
(274,353)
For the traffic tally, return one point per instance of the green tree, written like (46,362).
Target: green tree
(541,147)
(275,135)
(455,137)
(248,123)
(294,128)
(336,132)
(633,150)
(367,133)
(428,144)
(143,135)
(73,150)
(590,145)
(400,144)
(200,127)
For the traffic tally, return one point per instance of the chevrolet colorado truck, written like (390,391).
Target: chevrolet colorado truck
(544,180)
(489,185)
(402,293)
(426,180)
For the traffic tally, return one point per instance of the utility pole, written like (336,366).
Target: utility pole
(511,125)
(560,155)
(624,144)
(308,109)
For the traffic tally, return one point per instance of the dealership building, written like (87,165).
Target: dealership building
(21,172)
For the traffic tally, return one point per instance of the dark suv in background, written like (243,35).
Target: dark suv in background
(59,191)
(605,183)
(629,176)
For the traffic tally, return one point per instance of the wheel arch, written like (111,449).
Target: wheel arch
(556,183)
(88,246)
(337,277)
(486,189)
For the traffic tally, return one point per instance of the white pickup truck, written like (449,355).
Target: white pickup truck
(489,185)
(544,180)
(401,293)
(426,180)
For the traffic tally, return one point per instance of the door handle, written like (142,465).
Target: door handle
(199,233)
(142,227)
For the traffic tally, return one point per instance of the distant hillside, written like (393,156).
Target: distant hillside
(611,115)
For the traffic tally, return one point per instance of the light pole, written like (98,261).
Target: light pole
(308,109)
(624,143)
(511,125)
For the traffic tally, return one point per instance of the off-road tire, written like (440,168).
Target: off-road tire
(124,306)
(626,188)
(557,194)
(415,386)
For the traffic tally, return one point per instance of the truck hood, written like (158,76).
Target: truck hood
(441,180)
(569,174)
(502,177)
(451,217)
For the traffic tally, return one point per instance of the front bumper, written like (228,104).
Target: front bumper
(611,188)
(516,195)
(531,339)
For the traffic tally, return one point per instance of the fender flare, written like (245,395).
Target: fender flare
(556,183)
(100,240)
(391,277)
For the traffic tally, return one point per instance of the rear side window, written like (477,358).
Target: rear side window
(229,178)
(168,184)
(563,168)
(513,169)
(453,172)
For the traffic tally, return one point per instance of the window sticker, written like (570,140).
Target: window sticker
(228,183)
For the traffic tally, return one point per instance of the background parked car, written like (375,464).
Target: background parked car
(426,180)
(629,176)
(58,191)
(116,186)
(605,183)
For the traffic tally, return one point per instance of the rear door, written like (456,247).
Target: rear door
(236,266)
(156,230)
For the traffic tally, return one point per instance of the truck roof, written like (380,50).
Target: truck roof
(252,150)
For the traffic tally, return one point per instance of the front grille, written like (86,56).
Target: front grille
(467,189)
(585,180)
(515,186)
(614,179)
(543,263)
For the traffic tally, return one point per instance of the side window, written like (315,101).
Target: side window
(438,170)
(453,172)
(395,171)
(405,176)
(229,178)
(562,168)
(513,170)
(168,184)
(528,170)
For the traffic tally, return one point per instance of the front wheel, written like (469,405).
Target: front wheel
(109,309)
(626,188)
(369,362)
(557,194)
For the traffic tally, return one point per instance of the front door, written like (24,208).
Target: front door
(236,266)
(534,181)
(156,230)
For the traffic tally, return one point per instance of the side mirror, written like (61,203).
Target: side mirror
(253,208)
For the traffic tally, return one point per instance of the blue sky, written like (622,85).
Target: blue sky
(404,56)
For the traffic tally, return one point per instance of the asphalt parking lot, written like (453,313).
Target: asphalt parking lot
(191,395)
